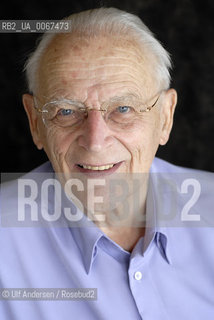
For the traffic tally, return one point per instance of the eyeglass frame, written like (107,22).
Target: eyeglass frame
(86,109)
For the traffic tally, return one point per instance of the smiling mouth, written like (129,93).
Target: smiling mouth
(96,168)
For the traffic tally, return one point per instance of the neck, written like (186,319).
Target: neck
(118,207)
(124,236)
(125,224)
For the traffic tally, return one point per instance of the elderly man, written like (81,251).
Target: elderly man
(99,106)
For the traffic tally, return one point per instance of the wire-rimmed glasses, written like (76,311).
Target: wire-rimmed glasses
(118,111)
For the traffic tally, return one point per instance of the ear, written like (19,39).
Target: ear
(168,109)
(33,119)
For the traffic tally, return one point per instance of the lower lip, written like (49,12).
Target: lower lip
(98,173)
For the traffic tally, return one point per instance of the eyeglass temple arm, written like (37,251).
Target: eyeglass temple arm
(149,108)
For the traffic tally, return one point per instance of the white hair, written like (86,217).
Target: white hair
(108,22)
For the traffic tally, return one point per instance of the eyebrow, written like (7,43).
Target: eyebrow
(70,101)
(113,99)
(130,96)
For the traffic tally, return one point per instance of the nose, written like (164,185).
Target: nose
(95,135)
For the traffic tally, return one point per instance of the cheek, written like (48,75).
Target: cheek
(144,141)
(156,133)
(57,144)
(147,134)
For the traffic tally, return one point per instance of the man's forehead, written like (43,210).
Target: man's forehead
(65,45)
(71,61)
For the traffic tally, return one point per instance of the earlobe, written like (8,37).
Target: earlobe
(32,115)
(168,109)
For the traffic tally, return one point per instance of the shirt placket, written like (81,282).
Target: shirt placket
(147,299)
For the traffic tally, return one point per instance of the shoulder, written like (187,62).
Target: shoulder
(11,191)
(168,171)
(188,193)
(159,165)
(10,180)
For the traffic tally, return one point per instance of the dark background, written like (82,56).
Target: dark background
(185,27)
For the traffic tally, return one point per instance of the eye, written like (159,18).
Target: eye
(65,112)
(123,109)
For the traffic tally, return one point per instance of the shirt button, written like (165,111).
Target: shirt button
(138,275)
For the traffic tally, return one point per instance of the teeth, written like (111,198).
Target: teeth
(98,168)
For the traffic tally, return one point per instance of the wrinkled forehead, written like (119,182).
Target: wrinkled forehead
(70,61)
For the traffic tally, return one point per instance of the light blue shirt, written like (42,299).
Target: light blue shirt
(169,275)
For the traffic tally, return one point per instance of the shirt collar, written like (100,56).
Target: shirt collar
(150,218)
(154,206)
(87,235)
(86,238)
